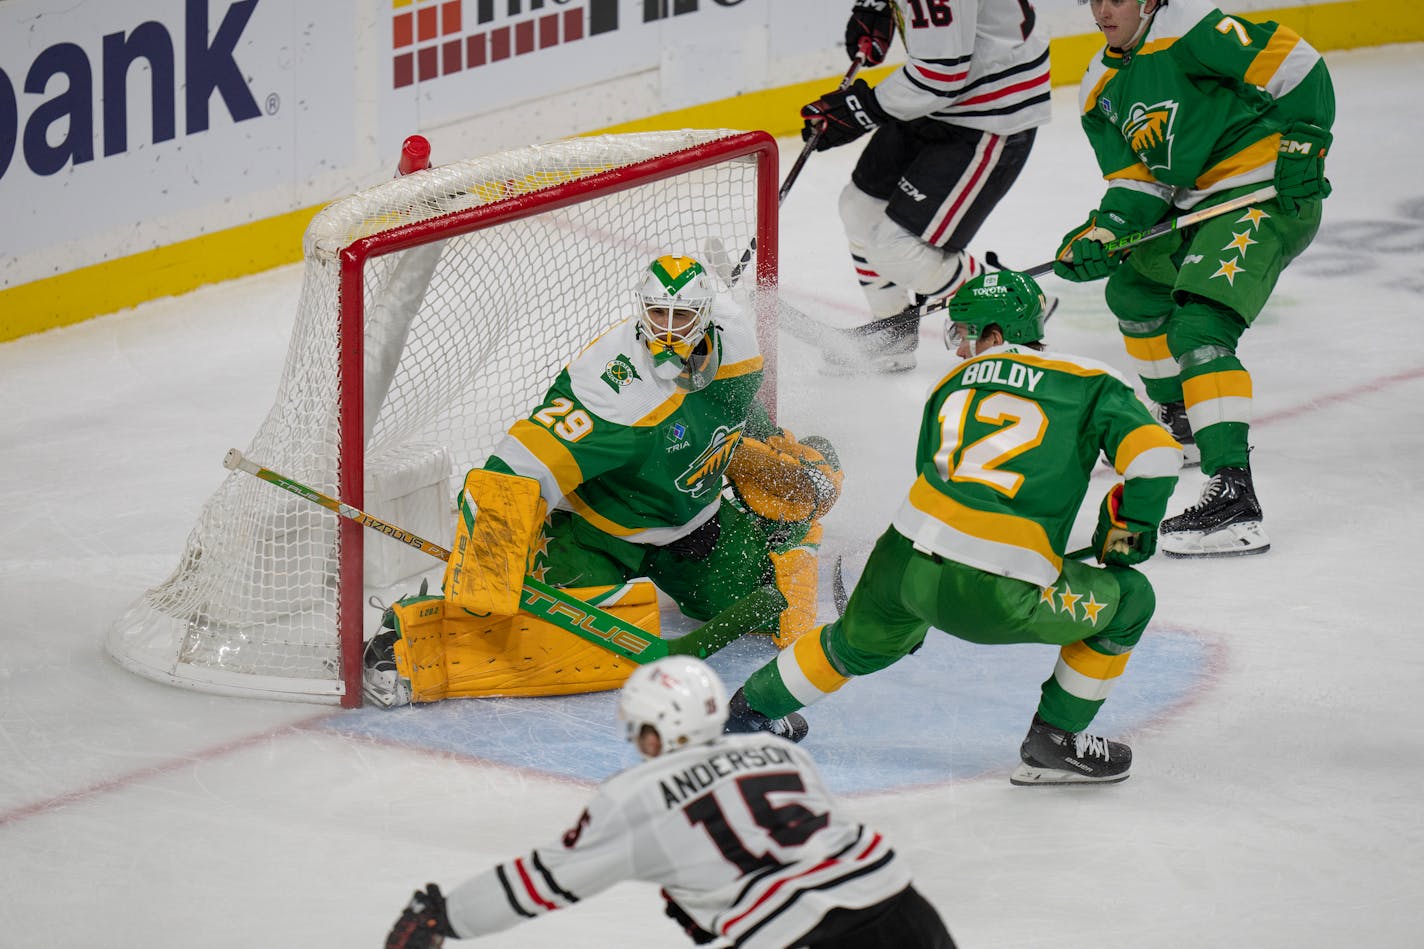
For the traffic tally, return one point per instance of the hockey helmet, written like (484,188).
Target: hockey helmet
(679,697)
(1007,299)
(674,310)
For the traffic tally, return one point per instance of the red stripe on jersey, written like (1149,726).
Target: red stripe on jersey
(986,159)
(873,844)
(529,886)
(940,76)
(772,890)
(1006,91)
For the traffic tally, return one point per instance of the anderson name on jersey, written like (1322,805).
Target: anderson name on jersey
(741,833)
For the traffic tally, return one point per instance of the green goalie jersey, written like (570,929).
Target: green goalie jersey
(1198,107)
(635,455)
(1007,444)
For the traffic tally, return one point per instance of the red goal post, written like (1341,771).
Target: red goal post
(436,308)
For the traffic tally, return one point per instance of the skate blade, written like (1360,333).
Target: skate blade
(1233,540)
(1027,776)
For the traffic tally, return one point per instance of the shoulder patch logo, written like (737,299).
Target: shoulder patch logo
(619,372)
(1148,130)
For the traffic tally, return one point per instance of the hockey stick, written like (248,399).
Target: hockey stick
(735,274)
(553,605)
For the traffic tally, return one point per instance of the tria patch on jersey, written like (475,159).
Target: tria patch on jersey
(619,373)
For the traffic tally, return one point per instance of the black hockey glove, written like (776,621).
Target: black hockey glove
(1117,542)
(423,924)
(1300,166)
(689,925)
(842,116)
(698,545)
(870,30)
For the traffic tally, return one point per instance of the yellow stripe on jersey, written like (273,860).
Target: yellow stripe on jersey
(1264,66)
(1140,440)
(550,452)
(658,415)
(1232,384)
(1250,158)
(984,525)
(1134,172)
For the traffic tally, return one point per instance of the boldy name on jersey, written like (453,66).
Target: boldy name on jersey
(1002,372)
(702,775)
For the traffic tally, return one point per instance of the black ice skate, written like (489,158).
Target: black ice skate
(1226,522)
(1173,417)
(741,720)
(886,345)
(1054,756)
(380,682)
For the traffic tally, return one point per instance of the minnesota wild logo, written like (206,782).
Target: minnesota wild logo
(619,372)
(705,472)
(1148,129)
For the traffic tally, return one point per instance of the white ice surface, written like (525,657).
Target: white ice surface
(1280,806)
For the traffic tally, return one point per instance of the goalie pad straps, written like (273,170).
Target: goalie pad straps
(784,480)
(499,521)
(446,652)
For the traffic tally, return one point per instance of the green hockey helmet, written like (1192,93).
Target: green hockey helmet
(1007,299)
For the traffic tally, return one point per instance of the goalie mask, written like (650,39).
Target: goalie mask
(675,314)
(679,697)
(1007,299)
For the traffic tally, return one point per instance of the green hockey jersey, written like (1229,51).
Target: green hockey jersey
(1007,445)
(1197,107)
(638,456)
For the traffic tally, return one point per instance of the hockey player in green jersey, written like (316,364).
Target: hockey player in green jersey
(1186,108)
(1008,441)
(618,473)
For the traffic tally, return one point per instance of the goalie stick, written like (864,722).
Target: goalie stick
(553,605)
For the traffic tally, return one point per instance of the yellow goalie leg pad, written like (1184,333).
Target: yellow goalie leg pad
(448,653)
(500,518)
(797,579)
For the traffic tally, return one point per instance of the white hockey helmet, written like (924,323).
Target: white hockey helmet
(674,311)
(679,697)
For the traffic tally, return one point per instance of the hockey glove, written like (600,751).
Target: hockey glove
(1114,541)
(870,30)
(1081,254)
(423,924)
(1300,166)
(842,117)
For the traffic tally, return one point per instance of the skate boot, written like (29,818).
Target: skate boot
(886,345)
(1226,522)
(1054,756)
(1173,417)
(380,682)
(741,720)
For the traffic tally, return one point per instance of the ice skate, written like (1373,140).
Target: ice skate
(1226,522)
(742,719)
(1173,417)
(1054,756)
(380,682)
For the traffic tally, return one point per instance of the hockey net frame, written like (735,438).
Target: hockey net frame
(187,631)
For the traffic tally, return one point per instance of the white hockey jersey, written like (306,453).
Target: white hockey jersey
(981,64)
(740,832)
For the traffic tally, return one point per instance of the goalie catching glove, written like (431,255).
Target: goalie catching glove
(1300,166)
(842,116)
(781,479)
(1117,540)
(423,924)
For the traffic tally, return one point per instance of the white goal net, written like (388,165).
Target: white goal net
(435,310)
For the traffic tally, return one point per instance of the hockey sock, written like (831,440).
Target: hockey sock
(1080,684)
(797,677)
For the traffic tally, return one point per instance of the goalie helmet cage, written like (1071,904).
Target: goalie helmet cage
(435,310)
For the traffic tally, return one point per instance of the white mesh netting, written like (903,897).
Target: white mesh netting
(462,335)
